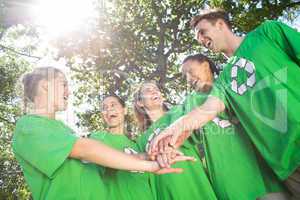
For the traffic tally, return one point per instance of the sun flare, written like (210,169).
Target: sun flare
(61,16)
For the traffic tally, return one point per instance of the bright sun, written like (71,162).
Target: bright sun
(61,16)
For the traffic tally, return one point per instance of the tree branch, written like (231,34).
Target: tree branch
(293,4)
(19,53)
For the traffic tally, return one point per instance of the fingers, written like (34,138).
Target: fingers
(177,152)
(169,170)
(152,157)
(156,140)
(164,160)
(160,161)
(174,139)
(166,143)
(183,158)
(161,146)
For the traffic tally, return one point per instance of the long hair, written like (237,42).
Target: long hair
(140,113)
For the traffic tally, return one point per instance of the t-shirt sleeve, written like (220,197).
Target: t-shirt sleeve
(287,38)
(43,147)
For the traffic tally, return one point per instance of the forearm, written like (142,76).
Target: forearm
(101,154)
(198,117)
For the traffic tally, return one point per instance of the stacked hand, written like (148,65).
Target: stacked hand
(163,149)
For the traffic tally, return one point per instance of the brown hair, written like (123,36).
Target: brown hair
(211,15)
(141,115)
(120,100)
(202,58)
(31,80)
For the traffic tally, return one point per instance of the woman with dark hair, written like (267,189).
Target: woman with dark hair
(121,184)
(235,169)
(153,116)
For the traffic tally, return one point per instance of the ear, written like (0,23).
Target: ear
(220,24)
(43,85)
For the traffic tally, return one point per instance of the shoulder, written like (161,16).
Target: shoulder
(99,135)
(269,25)
(29,121)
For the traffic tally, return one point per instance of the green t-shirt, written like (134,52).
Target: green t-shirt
(235,171)
(124,184)
(42,146)
(260,84)
(193,183)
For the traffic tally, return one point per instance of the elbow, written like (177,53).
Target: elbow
(79,149)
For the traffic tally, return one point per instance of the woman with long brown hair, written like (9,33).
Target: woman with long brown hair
(153,116)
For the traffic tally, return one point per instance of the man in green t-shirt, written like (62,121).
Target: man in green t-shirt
(259,84)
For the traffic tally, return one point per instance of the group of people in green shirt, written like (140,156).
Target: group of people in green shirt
(245,118)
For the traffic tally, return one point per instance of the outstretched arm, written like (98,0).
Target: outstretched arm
(101,154)
(186,124)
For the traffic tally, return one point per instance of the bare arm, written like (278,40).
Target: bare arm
(186,124)
(101,154)
(200,115)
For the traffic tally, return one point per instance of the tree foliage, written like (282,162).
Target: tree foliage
(126,43)
(12,66)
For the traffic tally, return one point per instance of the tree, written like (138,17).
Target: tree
(12,65)
(247,14)
(127,43)
(139,40)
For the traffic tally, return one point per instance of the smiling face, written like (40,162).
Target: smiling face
(61,93)
(113,112)
(211,35)
(52,93)
(151,97)
(198,74)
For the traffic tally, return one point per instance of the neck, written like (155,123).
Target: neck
(42,112)
(118,130)
(43,109)
(155,114)
(233,43)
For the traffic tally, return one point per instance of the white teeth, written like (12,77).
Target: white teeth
(155,97)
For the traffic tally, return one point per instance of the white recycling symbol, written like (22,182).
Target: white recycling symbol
(249,67)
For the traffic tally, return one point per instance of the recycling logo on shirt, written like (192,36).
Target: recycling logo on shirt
(248,66)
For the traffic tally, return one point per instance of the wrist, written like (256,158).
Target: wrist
(152,166)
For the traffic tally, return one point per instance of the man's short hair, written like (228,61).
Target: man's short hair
(211,15)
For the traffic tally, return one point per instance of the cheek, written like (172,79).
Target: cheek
(105,117)
(148,102)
